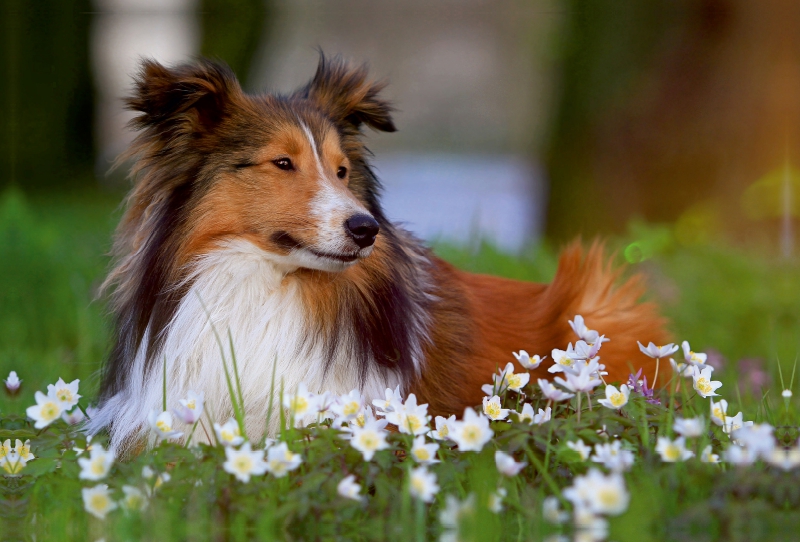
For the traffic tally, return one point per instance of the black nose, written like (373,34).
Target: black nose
(362,229)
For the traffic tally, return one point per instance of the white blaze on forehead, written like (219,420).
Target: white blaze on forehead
(331,205)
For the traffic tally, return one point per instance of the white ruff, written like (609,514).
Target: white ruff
(247,295)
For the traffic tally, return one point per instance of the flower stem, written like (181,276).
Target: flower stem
(653,386)
(579,407)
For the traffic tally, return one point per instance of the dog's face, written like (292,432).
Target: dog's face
(285,173)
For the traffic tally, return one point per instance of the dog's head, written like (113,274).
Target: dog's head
(287,173)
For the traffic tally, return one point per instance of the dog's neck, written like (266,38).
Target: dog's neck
(239,298)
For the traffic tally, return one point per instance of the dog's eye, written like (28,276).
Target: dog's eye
(341,172)
(283,163)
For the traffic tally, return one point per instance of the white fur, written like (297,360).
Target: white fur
(240,289)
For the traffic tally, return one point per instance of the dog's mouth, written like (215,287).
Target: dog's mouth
(286,241)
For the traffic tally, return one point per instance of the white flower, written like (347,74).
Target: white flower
(616,398)
(683,369)
(301,404)
(703,383)
(97,500)
(349,489)
(734,423)
(493,409)
(589,527)
(229,434)
(23,450)
(424,453)
(161,425)
(66,394)
(786,394)
(612,456)
(191,408)
(134,498)
(495,503)
(472,432)
(281,460)
(370,438)
(530,363)
(409,417)
(563,360)
(514,381)
(244,462)
(580,447)
(13,382)
(348,407)
(74,417)
(658,351)
(757,438)
(552,393)
(526,414)
(719,411)
(739,455)
(551,510)
(506,464)
(583,332)
(422,484)
(98,464)
(689,427)
(786,459)
(443,427)
(673,451)
(599,493)
(583,381)
(161,479)
(543,416)
(364,417)
(694,358)
(392,400)
(584,351)
(707,457)
(46,411)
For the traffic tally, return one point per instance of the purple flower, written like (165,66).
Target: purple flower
(641,387)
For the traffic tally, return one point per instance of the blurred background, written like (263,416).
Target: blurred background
(669,127)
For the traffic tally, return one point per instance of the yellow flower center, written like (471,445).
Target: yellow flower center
(422,454)
(64,395)
(99,502)
(609,497)
(617,399)
(243,463)
(703,385)
(514,380)
(350,408)
(418,484)
(672,452)
(471,433)
(413,423)
(191,405)
(163,426)
(444,431)
(718,413)
(361,420)
(98,467)
(368,441)
(492,410)
(566,360)
(299,404)
(50,411)
(134,501)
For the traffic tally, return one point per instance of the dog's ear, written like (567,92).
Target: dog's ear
(347,96)
(189,98)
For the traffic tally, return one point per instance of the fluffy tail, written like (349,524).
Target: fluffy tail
(588,285)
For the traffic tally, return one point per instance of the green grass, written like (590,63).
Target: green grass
(741,303)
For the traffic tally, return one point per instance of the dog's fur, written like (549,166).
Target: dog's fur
(224,251)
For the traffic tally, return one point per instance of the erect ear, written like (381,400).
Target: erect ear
(347,96)
(187,98)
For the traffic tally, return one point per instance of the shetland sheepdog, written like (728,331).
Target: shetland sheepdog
(254,229)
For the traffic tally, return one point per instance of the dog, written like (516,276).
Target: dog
(254,230)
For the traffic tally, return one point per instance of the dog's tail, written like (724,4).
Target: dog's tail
(587,284)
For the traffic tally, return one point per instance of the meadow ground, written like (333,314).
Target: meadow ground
(741,307)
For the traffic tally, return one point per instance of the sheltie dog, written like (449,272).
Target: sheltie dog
(254,229)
